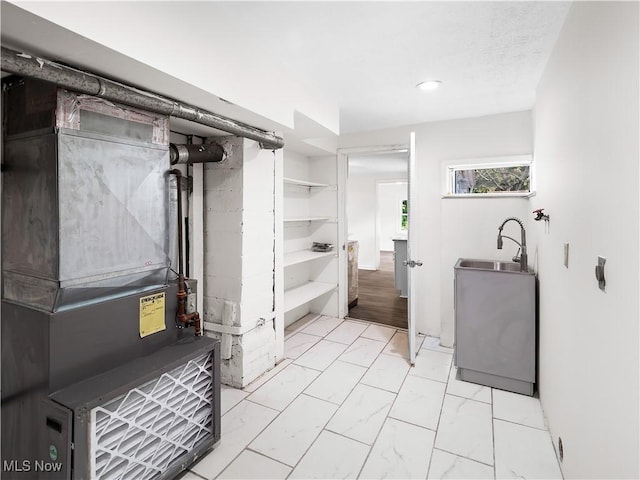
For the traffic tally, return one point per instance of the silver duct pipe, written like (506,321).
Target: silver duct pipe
(191,153)
(83,82)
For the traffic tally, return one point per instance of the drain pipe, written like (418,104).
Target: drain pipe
(184,318)
(83,82)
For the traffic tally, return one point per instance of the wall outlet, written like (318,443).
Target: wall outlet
(566,255)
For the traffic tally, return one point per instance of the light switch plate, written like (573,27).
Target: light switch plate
(566,254)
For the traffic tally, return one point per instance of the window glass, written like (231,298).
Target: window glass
(491,180)
(404,216)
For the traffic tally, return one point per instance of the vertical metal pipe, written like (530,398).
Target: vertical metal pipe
(178,175)
(184,318)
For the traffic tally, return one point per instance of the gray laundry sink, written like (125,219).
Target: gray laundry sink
(495,324)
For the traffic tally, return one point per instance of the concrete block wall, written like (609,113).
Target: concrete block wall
(239,258)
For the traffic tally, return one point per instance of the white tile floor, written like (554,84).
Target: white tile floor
(346,404)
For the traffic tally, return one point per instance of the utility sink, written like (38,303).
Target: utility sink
(495,326)
(490,265)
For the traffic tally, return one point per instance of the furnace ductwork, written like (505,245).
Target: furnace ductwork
(31,66)
(191,153)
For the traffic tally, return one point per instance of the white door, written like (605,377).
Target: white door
(412,248)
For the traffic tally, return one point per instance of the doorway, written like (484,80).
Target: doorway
(376,225)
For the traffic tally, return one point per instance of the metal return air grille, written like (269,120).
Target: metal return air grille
(139,434)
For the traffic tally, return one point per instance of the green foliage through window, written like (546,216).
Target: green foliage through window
(514,179)
(404,218)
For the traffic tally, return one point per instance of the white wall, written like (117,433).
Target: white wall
(138,54)
(586,148)
(362,216)
(390,197)
(469,229)
(450,228)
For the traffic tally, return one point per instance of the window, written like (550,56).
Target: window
(404,216)
(504,176)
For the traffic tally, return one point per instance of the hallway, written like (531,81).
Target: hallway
(378,299)
(346,404)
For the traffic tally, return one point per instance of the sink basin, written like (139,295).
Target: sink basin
(496,265)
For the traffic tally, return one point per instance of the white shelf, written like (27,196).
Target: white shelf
(306,219)
(294,297)
(304,183)
(302,256)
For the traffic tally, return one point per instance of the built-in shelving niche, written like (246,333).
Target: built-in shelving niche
(310,215)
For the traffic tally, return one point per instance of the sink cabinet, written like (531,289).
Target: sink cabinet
(400,269)
(495,327)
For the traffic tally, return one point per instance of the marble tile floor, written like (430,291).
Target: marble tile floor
(346,404)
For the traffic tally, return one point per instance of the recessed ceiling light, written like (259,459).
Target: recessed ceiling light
(429,84)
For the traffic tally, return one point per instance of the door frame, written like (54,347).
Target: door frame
(343,174)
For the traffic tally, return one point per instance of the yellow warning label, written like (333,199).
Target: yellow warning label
(152,314)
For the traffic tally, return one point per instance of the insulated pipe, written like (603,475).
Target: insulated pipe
(186,319)
(83,82)
(190,153)
(178,175)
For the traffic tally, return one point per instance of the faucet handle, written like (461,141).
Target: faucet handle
(517,256)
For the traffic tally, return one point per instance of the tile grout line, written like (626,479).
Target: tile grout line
(338,405)
(279,412)
(463,457)
(323,336)
(324,428)
(312,443)
(467,398)
(249,449)
(397,394)
(253,438)
(302,393)
(435,437)
(196,474)
(412,424)
(356,384)
(520,424)
(457,454)
(332,362)
(258,434)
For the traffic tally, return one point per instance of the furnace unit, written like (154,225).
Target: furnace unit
(99,379)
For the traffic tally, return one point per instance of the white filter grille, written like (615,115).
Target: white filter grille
(140,434)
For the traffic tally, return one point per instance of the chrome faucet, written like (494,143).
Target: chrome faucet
(522,246)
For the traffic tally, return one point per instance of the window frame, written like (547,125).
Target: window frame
(449,167)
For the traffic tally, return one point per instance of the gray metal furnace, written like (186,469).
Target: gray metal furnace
(98,379)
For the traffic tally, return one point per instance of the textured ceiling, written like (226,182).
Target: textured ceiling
(364,57)
(368,56)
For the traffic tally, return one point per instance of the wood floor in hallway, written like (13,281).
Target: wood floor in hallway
(378,299)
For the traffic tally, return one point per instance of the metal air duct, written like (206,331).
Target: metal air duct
(191,153)
(83,82)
